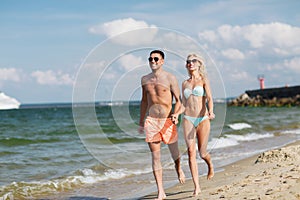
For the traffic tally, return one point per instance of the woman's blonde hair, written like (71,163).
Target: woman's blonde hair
(202,68)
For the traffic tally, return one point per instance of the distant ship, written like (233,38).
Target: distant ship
(7,102)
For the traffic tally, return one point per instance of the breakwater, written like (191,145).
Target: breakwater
(281,96)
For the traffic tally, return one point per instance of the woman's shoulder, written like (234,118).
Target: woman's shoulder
(185,82)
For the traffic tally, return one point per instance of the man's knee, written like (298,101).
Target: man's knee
(203,154)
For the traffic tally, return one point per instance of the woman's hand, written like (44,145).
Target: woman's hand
(174,118)
(211,115)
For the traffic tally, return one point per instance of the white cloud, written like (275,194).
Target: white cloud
(228,33)
(233,54)
(278,38)
(118,26)
(50,77)
(208,35)
(239,76)
(287,65)
(130,61)
(93,71)
(261,49)
(126,31)
(293,64)
(10,74)
(278,34)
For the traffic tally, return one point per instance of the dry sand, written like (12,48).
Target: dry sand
(274,174)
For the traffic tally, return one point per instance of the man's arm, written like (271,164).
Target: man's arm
(143,108)
(176,94)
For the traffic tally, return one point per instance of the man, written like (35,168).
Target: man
(158,89)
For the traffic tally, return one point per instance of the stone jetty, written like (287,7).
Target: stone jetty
(282,96)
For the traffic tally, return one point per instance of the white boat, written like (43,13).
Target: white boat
(7,102)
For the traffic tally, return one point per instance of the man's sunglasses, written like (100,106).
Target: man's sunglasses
(155,59)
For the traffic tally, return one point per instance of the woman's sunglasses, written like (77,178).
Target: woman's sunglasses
(155,59)
(191,61)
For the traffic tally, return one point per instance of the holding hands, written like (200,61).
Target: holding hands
(174,118)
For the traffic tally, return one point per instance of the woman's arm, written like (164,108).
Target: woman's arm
(209,98)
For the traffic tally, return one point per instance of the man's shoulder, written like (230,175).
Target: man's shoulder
(146,76)
(169,74)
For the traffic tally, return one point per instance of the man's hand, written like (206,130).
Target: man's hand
(174,118)
(141,130)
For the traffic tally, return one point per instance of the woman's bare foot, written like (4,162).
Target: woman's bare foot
(161,196)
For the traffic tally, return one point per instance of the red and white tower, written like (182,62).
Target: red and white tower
(261,79)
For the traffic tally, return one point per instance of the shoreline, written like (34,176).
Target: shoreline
(274,174)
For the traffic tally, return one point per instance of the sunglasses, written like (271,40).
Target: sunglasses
(191,61)
(155,59)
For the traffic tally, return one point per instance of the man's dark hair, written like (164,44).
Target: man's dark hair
(159,52)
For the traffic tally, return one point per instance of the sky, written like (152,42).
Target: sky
(55,51)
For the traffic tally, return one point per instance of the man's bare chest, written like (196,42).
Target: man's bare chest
(157,88)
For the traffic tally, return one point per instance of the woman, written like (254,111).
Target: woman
(196,119)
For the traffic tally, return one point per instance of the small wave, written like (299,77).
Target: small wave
(115,103)
(22,141)
(250,136)
(89,176)
(239,126)
(294,131)
(233,140)
(28,190)
(5,153)
(217,143)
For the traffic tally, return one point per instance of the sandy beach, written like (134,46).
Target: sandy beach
(274,174)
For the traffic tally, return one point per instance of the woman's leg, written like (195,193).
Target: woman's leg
(203,130)
(189,135)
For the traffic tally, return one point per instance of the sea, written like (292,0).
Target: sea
(94,151)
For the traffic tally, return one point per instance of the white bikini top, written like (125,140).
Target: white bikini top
(197,91)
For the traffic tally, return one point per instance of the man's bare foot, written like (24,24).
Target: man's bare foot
(181,176)
(211,172)
(161,196)
(196,192)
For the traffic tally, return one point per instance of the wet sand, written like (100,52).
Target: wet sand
(274,174)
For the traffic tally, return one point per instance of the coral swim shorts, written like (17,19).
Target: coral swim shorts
(160,129)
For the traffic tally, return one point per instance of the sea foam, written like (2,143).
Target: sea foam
(233,140)
(250,136)
(239,126)
(294,131)
(26,190)
(217,143)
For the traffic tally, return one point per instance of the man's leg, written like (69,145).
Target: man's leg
(176,157)
(157,169)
